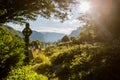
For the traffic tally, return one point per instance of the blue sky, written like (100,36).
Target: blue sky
(53,25)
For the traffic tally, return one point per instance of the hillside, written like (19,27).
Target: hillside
(13,31)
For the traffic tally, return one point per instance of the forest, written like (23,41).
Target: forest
(93,55)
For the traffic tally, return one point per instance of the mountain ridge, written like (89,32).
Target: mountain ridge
(47,37)
(75,33)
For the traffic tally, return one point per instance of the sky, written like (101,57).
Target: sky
(44,25)
(54,25)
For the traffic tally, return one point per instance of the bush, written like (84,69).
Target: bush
(25,73)
(42,59)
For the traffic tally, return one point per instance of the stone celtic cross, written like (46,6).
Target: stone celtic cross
(27,32)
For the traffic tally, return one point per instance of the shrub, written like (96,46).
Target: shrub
(41,58)
(24,73)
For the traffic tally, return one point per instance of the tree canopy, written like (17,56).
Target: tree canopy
(108,17)
(103,19)
(22,10)
(65,38)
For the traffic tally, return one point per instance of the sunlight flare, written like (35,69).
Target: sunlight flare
(85,6)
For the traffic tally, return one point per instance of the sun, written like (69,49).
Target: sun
(85,6)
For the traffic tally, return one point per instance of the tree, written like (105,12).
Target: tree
(65,38)
(22,10)
(103,20)
(107,22)
(37,44)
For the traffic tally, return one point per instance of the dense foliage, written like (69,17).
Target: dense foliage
(11,51)
(82,62)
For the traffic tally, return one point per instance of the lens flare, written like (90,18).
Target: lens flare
(85,6)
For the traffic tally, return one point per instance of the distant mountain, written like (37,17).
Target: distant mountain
(75,33)
(37,35)
(52,36)
(46,36)
(43,36)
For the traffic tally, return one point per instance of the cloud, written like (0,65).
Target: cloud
(73,22)
(16,26)
(54,29)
